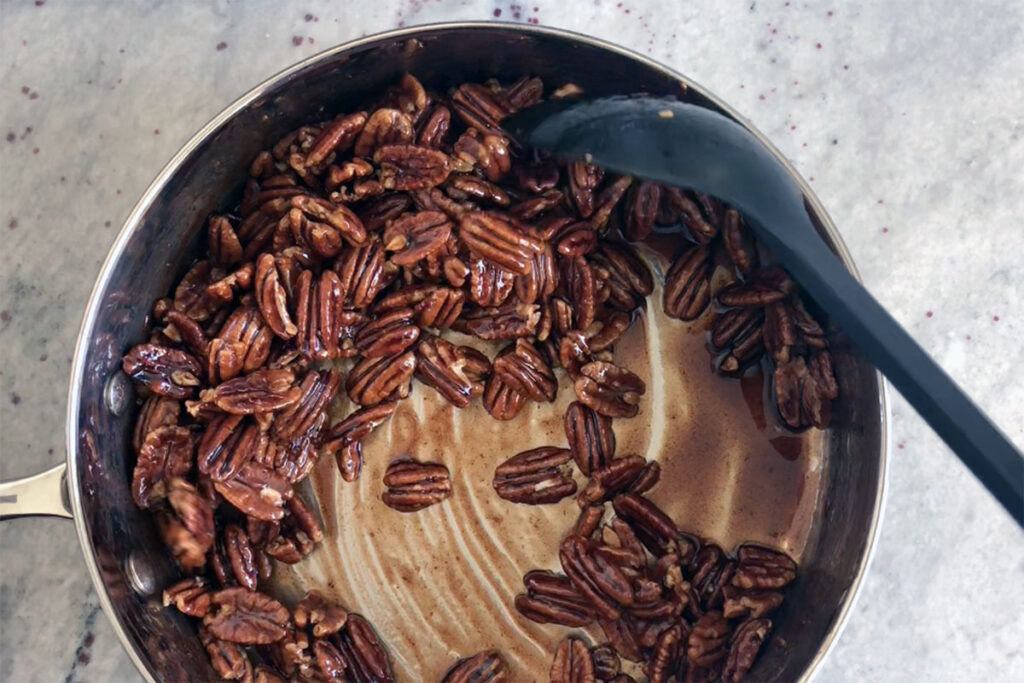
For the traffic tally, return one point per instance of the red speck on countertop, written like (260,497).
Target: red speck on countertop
(35,150)
(296,40)
(156,131)
(497,11)
(881,201)
(220,46)
(884,230)
(995,318)
(13,224)
(308,17)
(928,314)
(818,45)
(968,337)
(11,137)
(40,3)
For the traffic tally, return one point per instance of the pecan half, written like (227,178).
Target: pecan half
(366,660)
(484,667)
(578,279)
(632,473)
(272,297)
(435,129)
(156,412)
(307,414)
(166,453)
(804,390)
(489,285)
(602,583)
(609,389)
(462,186)
(739,244)
(262,391)
(764,287)
(753,604)
(241,555)
(363,272)
(572,663)
(188,532)
(479,107)
(415,236)
(642,209)
(654,528)
(239,615)
(325,618)
(708,640)
(385,126)
(336,137)
(324,226)
(623,272)
(502,401)
(434,306)
(228,659)
(349,458)
(741,331)
(522,367)
(358,424)
(457,373)
(374,379)
(508,321)
(763,568)
(245,326)
(583,181)
(410,167)
(163,370)
(227,445)
(606,202)
(535,477)
(542,280)
(257,491)
(746,644)
(688,284)
(493,237)
(190,596)
(590,437)
(489,153)
(553,599)
(387,335)
(414,485)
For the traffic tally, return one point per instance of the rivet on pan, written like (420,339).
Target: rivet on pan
(140,574)
(117,393)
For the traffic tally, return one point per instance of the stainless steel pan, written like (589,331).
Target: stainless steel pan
(128,563)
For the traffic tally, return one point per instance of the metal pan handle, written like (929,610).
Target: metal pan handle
(43,494)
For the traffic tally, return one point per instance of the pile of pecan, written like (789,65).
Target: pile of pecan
(359,245)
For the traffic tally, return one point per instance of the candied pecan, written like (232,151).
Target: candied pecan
(607,201)
(245,326)
(574,353)
(804,390)
(708,640)
(652,526)
(190,295)
(189,531)
(163,370)
(385,126)
(319,315)
(668,660)
(391,333)
(523,368)
(583,181)
(335,137)
(479,107)
(542,280)
(358,424)
(578,240)
(414,485)
(621,638)
(410,167)
(601,581)
(241,555)
(487,152)
(190,596)
(435,128)
(553,599)
(508,321)
(746,644)
(246,617)
(324,617)
(156,412)
(228,659)
(182,329)
(502,401)
(578,279)
(349,458)
(374,379)
(621,546)
(222,242)
(363,273)
(272,297)
(258,392)
(779,332)
(489,285)
(688,284)
(642,209)
(484,667)
(609,389)
(764,287)
(495,238)
(415,236)
(324,227)
(536,477)
(329,660)
(226,446)
(741,330)
(623,272)
(306,414)
(166,453)
(457,373)
(590,437)
(293,459)
(339,175)
(366,660)
(608,332)
(434,306)
(376,214)
(763,568)
(739,244)
(588,521)
(257,491)
(631,473)
(754,604)
(478,188)
(572,663)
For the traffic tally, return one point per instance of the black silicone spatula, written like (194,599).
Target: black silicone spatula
(688,146)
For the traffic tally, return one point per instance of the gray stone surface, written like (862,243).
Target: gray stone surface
(905,116)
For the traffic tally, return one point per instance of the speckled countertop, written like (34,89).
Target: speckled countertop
(906,117)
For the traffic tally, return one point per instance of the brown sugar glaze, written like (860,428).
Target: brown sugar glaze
(439,584)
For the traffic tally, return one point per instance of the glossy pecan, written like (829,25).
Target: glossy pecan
(688,284)
(258,392)
(487,152)
(536,477)
(608,332)
(434,131)
(764,287)
(457,373)
(602,583)
(228,659)
(578,279)
(463,186)
(318,614)
(763,568)
(166,453)
(163,370)
(227,445)
(190,596)
(606,202)
(508,321)
(522,367)
(222,242)
(553,599)
(746,644)
(609,389)
(239,615)
(588,521)
(493,237)
(188,529)
(358,424)
(741,331)
(583,181)
(272,297)
(484,667)
(434,306)
(415,236)
(257,491)
(410,167)
(307,414)
(336,137)
(329,660)
(489,285)
(620,637)
(324,227)
(376,214)
(739,603)
(652,526)
(501,401)
(245,326)
(590,437)
(631,473)
(479,107)
(373,380)
(413,485)
(320,316)
(574,352)
(572,663)
(190,296)
(708,640)
(366,659)
(387,335)
(739,244)
(241,555)
(364,273)
(349,458)
(642,209)
(623,272)
(542,280)
(804,390)
(157,411)
(385,126)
